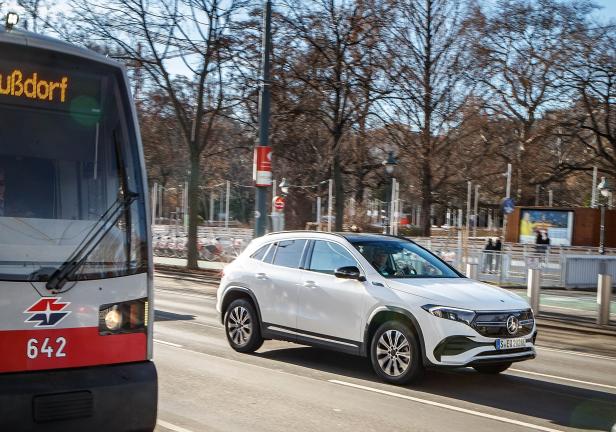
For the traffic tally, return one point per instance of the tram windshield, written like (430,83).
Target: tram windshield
(68,154)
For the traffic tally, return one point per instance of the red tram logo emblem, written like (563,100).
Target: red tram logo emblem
(47,312)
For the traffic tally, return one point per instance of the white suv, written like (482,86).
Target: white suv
(377,296)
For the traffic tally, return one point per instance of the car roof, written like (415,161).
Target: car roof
(349,236)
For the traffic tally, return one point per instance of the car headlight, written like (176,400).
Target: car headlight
(454,314)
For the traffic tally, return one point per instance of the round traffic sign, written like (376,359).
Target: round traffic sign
(279,203)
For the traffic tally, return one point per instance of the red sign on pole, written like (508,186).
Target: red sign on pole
(262,168)
(279,203)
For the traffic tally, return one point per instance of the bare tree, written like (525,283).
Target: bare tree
(592,74)
(521,47)
(428,68)
(190,38)
(328,38)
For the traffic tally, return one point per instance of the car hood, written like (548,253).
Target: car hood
(460,292)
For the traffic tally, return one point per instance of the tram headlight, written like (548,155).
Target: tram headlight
(113,319)
(125,317)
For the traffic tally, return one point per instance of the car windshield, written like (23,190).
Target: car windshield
(397,258)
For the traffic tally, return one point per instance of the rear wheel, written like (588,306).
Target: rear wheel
(493,369)
(242,326)
(395,353)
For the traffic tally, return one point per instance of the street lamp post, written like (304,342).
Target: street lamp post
(606,190)
(390,166)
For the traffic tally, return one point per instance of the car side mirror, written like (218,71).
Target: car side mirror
(350,272)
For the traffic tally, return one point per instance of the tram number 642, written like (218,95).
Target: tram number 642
(35,348)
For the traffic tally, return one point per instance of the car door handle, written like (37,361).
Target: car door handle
(261,276)
(310,284)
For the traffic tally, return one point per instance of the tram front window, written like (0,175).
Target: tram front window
(62,167)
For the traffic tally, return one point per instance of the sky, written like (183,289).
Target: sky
(609,9)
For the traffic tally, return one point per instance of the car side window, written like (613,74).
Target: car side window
(328,256)
(289,253)
(260,253)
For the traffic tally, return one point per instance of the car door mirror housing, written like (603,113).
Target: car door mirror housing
(350,272)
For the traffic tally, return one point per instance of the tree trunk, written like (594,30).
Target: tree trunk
(426,199)
(338,193)
(193,210)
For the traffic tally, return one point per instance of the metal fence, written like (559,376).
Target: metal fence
(506,267)
(510,265)
(217,244)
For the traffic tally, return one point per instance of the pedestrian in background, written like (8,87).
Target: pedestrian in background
(498,256)
(488,256)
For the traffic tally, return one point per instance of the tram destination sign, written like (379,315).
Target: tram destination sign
(42,87)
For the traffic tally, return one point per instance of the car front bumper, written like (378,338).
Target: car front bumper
(454,344)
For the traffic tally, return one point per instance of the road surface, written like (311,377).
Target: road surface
(206,386)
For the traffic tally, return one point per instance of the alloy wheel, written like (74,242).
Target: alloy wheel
(239,325)
(393,353)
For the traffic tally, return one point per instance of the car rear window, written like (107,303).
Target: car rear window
(289,253)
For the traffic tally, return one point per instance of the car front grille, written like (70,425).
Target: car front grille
(494,324)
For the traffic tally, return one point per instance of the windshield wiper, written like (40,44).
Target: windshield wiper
(74,262)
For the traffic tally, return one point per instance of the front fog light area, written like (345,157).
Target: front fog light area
(454,314)
(125,317)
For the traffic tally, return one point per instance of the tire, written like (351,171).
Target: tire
(242,326)
(492,369)
(392,345)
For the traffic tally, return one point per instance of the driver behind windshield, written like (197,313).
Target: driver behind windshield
(381,263)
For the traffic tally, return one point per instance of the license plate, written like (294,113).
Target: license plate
(502,344)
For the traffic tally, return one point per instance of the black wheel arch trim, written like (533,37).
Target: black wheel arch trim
(243,290)
(407,314)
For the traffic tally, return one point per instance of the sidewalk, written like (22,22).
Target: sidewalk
(181,262)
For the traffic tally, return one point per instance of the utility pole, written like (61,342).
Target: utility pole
(330,199)
(593,195)
(476,210)
(264,115)
(227,205)
(469,194)
(507,195)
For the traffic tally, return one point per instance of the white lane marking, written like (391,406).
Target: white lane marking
(581,354)
(172,427)
(448,407)
(564,379)
(167,343)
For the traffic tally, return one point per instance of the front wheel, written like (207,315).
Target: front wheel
(492,369)
(242,326)
(395,353)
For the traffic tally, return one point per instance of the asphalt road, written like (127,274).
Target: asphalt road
(206,386)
